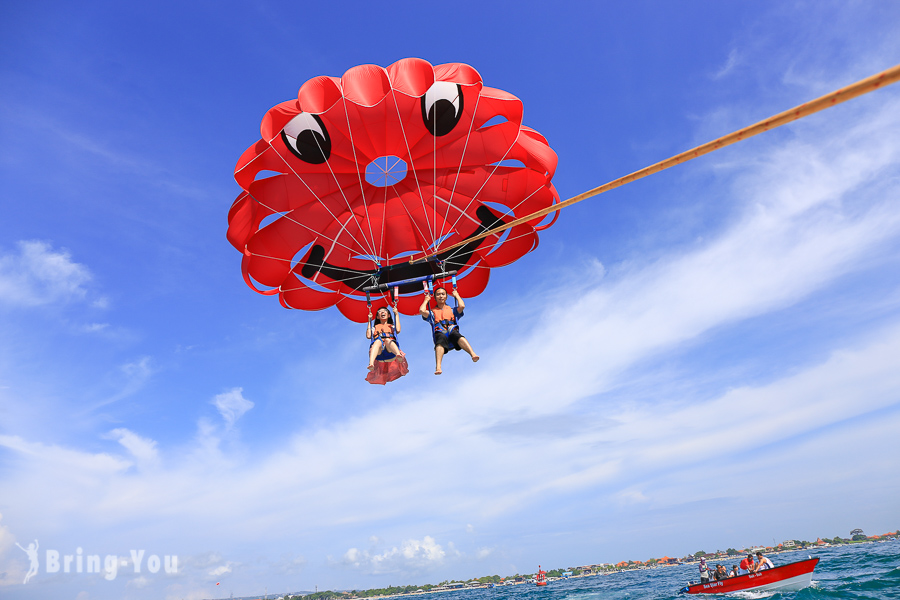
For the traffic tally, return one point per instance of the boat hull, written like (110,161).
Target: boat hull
(790,577)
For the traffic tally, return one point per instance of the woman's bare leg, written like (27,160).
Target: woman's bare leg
(393,348)
(374,351)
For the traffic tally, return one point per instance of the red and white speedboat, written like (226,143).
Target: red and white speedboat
(790,577)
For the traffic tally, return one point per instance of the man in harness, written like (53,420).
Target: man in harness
(443,320)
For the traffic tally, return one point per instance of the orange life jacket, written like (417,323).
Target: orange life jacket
(444,319)
(385,331)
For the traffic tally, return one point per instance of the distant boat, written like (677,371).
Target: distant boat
(790,577)
(541,577)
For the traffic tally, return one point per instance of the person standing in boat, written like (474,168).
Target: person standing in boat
(704,571)
(762,563)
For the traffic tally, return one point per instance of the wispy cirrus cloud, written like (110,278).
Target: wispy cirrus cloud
(37,274)
(728,67)
(127,379)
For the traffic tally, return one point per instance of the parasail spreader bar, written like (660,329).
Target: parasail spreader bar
(383,287)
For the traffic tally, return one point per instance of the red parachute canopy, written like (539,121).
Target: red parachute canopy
(360,173)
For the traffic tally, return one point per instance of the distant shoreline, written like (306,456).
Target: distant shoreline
(613,569)
(643,567)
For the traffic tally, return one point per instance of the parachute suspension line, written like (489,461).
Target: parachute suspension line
(354,274)
(334,241)
(434,180)
(362,248)
(474,197)
(391,294)
(381,252)
(296,222)
(362,191)
(412,167)
(864,86)
(462,159)
(316,196)
(328,253)
(454,251)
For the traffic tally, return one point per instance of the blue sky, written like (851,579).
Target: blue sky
(702,359)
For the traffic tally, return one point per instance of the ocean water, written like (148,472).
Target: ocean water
(870,571)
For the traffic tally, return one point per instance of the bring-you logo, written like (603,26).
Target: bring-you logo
(108,567)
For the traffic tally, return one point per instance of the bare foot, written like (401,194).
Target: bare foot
(437,371)
(371,367)
(475,358)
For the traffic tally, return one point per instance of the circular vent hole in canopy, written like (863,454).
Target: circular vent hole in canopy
(386,170)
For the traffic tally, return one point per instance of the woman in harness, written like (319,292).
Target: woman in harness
(445,330)
(386,361)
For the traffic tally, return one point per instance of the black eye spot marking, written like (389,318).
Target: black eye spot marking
(442,107)
(305,135)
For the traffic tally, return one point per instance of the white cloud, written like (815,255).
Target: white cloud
(142,449)
(729,65)
(39,275)
(12,559)
(138,582)
(412,555)
(130,378)
(232,405)
(631,497)
(220,570)
(64,459)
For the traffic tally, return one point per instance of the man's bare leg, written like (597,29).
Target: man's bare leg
(438,357)
(465,345)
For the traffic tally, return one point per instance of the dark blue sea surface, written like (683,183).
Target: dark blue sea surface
(870,571)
